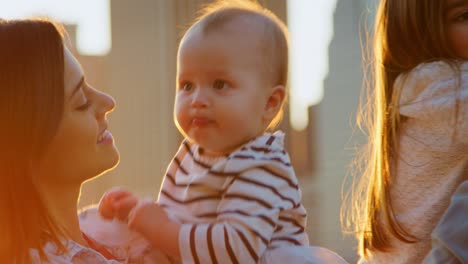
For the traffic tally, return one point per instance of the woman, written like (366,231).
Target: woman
(418,128)
(54,137)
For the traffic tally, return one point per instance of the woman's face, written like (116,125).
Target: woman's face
(457,27)
(83,147)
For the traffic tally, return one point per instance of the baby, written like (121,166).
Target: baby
(230,193)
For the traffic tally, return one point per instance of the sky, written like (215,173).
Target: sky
(92,17)
(310,23)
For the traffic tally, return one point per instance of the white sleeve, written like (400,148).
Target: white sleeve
(437,96)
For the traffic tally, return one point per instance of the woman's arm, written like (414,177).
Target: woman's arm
(450,237)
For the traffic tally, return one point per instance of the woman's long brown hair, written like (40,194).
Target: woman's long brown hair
(406,33)
(31,108)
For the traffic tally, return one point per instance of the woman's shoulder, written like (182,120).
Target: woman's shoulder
(426,74)
(432,81)
(439,69)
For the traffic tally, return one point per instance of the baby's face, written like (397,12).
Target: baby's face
(221,91)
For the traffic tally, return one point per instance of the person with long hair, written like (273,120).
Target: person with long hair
(417,122)
(54,136)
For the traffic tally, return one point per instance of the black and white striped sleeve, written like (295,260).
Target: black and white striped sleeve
(246,217)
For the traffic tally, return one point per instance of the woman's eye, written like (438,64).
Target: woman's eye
(84,106)
(219,85)
(187,86)
(462,17)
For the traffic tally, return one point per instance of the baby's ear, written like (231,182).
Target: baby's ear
(274,102)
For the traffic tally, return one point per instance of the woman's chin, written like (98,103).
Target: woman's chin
(111,161)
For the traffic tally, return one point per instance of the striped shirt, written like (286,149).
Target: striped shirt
(237,206)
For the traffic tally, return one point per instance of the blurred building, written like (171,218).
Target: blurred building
(338,137)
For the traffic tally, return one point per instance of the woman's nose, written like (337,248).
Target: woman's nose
(106,103)
(109,102)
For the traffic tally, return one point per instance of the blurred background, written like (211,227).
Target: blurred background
(128,49)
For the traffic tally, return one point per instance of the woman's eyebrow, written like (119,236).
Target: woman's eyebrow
(77,87)
(454,4)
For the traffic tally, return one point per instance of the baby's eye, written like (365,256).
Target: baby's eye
(220,84)
(187,86)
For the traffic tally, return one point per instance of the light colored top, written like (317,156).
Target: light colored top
(233,208)
(114,237)
(450,237)
(77,254)
(433,154)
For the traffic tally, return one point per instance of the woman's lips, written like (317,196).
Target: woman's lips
(105,138)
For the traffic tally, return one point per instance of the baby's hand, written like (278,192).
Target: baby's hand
(147,217)
(117,203)
(151,220)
